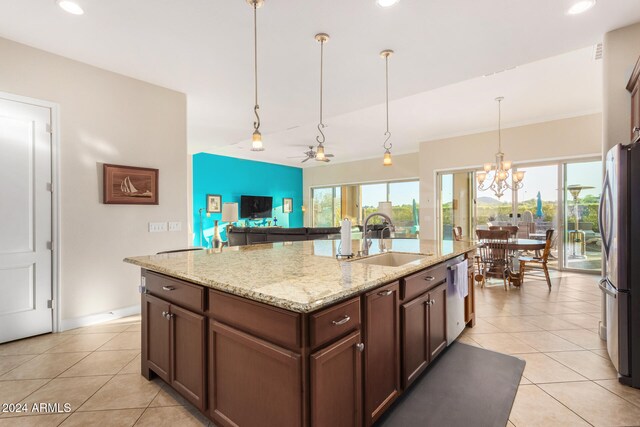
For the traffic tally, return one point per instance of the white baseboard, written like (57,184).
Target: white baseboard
(93,319)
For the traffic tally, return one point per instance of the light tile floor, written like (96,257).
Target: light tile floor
(568,379)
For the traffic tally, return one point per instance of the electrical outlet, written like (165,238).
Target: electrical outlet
(157,227)
(175,226)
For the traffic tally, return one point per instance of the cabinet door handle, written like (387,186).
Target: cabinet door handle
(428,302)
(342,321)
(360,347)
(385,293)
(432,302)
(429,278)
(166,315)
(168,288)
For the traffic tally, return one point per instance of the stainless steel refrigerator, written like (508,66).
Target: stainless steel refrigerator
(620,229)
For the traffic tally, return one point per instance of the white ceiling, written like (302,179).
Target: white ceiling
(204,48)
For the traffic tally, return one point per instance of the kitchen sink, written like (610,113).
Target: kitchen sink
(391,259)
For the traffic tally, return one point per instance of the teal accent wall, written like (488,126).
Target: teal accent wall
(231,178)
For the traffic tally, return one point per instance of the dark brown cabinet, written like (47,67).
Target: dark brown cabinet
(242,362)
(174,340)
(424,331)
(188,354)
(336,384)
(382,350)
(252,382)
(437,308)
(156,336)
(415,345)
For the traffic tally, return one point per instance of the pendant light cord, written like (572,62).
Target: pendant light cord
(387,145)
(499,126)
(321,138)
(256,124)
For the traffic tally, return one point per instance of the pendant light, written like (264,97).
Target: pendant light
(387,145)
(499,182)
(256,140)
(321,38)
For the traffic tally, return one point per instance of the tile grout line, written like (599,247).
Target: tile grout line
(569,409)
(613,392)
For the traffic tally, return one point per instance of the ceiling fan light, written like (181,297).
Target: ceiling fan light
(256,141)
(70,7)
(581,7)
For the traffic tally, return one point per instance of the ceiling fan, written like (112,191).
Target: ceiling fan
(312,154)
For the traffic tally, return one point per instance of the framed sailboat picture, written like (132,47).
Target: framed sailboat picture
(130,185)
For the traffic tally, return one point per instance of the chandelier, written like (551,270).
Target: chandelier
(498,174)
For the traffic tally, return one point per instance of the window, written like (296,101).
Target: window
(331,204)
(326,212)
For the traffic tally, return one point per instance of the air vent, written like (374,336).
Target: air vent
(501,71)
(597,51)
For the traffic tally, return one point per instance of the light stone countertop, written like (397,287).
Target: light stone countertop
(297,276)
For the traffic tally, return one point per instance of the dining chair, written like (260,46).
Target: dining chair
(512,229)
(457,233)
(493,254)
(538,262)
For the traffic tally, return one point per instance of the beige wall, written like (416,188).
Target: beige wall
(405,166)
(621,51)
(573,137)
(105,118)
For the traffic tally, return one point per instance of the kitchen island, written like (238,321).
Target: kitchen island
(284,334)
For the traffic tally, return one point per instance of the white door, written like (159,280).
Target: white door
(25,220)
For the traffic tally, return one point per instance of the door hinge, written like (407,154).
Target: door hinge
(49,128)
(51,303)
(49,187)
(50,246)
(143,285)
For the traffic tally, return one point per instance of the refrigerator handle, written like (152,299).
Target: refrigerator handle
(603,285)
(603,232)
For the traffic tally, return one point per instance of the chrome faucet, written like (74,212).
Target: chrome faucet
(366,241)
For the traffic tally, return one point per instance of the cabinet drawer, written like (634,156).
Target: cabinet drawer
(269,323)
(175,291)
(334,322)
(421,282)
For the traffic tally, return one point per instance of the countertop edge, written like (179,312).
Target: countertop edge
(299,307)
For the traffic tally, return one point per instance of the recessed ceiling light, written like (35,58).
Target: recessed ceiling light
(581,6)
(71,7)
(386,3)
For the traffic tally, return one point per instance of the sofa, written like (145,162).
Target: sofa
(240,236)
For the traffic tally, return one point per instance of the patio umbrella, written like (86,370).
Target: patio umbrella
(416,225)
(539,206)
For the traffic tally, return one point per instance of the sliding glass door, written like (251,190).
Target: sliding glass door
(355,201)
(562,196)
(456,204)
(582,189)
(536,205)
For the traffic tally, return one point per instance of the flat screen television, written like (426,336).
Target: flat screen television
(255,206)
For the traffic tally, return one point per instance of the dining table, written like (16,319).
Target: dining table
(526,245)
